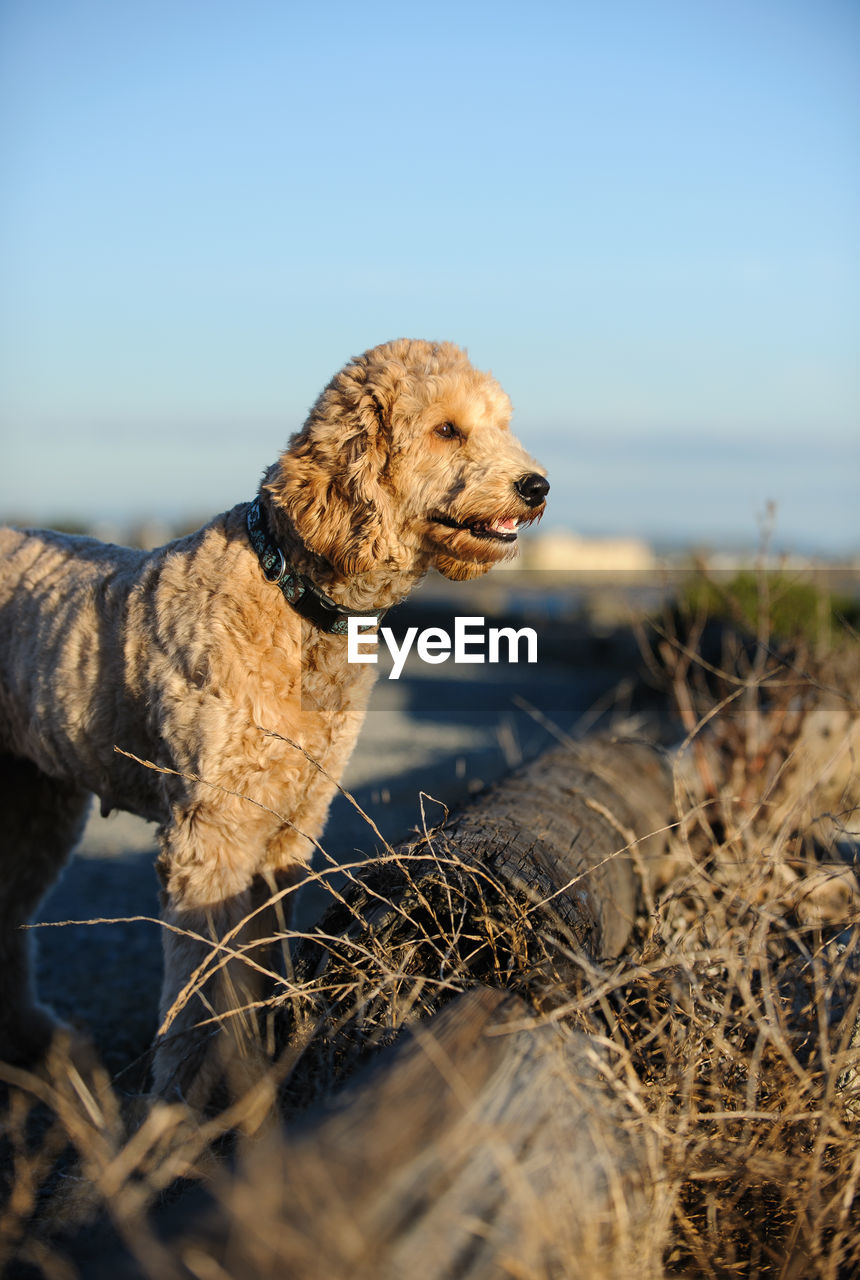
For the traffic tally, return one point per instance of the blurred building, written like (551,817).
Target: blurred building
(562,551)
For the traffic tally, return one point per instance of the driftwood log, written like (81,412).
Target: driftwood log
(483,1145)
(544,873)
(479,1135)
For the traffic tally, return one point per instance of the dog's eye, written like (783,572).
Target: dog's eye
(447,431)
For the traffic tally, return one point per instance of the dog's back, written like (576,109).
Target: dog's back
(62,603)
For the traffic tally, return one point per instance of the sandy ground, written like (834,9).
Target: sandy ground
(445,731)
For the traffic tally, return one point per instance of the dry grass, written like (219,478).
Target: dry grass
(728,1031)
(743,1023)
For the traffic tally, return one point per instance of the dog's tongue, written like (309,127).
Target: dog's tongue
(504,526)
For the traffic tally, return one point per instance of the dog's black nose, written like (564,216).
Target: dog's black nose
(532,488)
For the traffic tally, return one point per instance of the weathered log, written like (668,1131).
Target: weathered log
(484,1144)
(581,823)
(539,875)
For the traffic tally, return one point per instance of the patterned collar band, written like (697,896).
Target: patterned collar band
(297,588)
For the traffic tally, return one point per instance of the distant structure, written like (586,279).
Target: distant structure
(561,551)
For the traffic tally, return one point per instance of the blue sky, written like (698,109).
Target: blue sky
(644,217)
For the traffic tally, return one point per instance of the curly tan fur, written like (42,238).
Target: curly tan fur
(187,656)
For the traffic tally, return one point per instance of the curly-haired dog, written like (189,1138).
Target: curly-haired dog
(214,655)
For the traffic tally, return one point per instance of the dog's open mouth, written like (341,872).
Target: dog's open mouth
(499,530)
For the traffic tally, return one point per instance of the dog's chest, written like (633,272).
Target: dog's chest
(301,686)
(297,722)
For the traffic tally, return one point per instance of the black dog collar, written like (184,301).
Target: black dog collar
(297,588)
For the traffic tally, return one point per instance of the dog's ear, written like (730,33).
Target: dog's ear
(327,483)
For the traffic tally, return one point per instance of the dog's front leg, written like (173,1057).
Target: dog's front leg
(223,936)
(213,984)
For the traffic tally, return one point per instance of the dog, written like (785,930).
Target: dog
(204,685)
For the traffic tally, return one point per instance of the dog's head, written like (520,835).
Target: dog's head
(407,458)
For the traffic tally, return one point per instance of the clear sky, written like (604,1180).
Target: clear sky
(642,215)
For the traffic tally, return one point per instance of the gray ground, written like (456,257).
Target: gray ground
(443,730)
